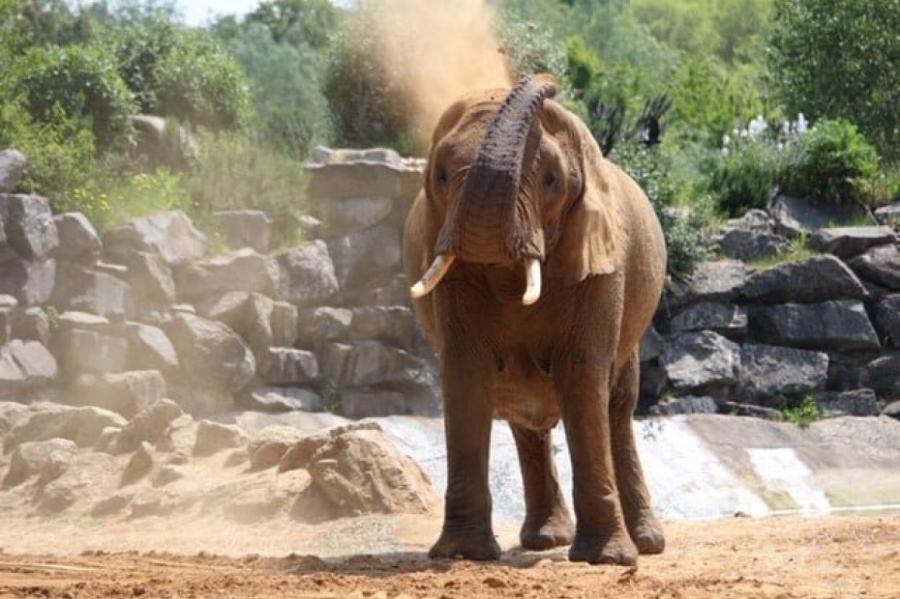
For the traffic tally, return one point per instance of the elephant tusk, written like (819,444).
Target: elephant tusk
(532,281)
(432,276)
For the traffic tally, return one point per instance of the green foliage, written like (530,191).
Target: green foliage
(833,157)
(84,83)
(841,60)
(798,250)
(745,176)
(804,414)
(139,48)
(141,194)
(298,23)
(531,49)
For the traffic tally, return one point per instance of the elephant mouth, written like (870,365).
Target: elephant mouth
(443,262)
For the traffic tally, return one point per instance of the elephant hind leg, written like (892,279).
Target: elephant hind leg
(643,527)
(547,520)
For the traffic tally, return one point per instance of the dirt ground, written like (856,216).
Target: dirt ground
(835,556)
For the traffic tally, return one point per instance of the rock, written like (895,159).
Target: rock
(684,405)
(750,245)
(881,265)
(390,324)
(345,216)
(700,361)
(149,348)
(30,229)
(269,445)
(366,255)
(29,281)
(887,319)
(727,319)
(75,320)
(889,215)
(377,177)
(179,439)
(248,314)
(653,383)
(838,325)
(107,440)
(167,475)
(139,466)
(360,403)
(753,220)
(201,400)
(150,424)
(171,234)
(12,167)
(846,242)
(301,453)
(285,323)
(126,393)
(81,425)
(334,362)
(711,281)
(11,414)
(87,290)
(892,410)
(310,226)
(239,270)
(324,155)
(373,363)
(768,372)
(743,409)
(307,273)
(796,216)
(815,279)
(282,399)
(8,301)
(324,324)
(45,459)
(213,437)
(6,320)
(31,324)
(360,472)
(244,228)
(394,292)
(148,275)
(112,505)
(881,375)
(651,345)
(25,366)
(859,402)
(210,353)
(78,240)
(84,351)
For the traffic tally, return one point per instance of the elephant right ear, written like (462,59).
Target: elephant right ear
(589,233)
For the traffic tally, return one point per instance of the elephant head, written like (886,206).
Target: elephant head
(508,183)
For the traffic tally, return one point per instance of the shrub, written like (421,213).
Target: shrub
(139,47)
(804,414)
(745,176)
(84,83)
(141,194)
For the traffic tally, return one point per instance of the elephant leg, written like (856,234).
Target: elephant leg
(642,524)
(547,521)
(600,533)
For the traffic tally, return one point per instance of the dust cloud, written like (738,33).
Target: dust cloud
(436,51)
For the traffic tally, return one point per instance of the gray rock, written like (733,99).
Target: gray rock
(846,242)
(815,279)
(880,264)
(30,230)
(171,234)
(148,425)
(350,180)
(881,375)
(670,406)
(700,361)
(148,275)
(282,399)
(29,281)
(727,319)
(889,215)
(653,383)
(742,409)
(210,353)
(344,216)
(373,363)
(365,255)
(239,270)
(287,366)
(45,459)
(8,301)
(213,437)
(75,320)
(6,321)
(324,324)
(84,351)
(31,324)
(887,319)
(892,410)
(307,273)
(285,324)
(82,425)
(750,245)
(838,325)
(11,414)
(390,324)
(768,372)
(126,393)
(245,228)
(149,348)
(78,240)
(720,280)
(201,400)
(859,402)
(362,403)
(87,290)
(248,314)
(37,366)
(795,216)
(651,345)
(394,292)
(311,226)
(139,466)
(334,361)
(324,155)
(753,220)
(12,167)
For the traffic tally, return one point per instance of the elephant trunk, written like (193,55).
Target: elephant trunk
(492,222)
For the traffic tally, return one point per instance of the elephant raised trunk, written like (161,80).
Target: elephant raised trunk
(492,222)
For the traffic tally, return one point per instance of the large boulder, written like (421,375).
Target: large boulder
(887,319)
(373,363)
(287,366)
(364,177)
(838,325)
(282,399)
(25,366)
(651,345)
(85,351)
(698,362)
(798,216)
(78,240)
(148,275)
(391,324)
(719,280)
(727,319)
(88,290)
(31,324)
(210,353)
(29,281)
(889,215)
(244,228)
(880,264)
(846,242)
(745,245)
(361,472)
(307,273)
(346,216)
(149,348)
(815,279)
(171,234)
(285,324)
(213,437)
(366,403)
(30,229)
(125,393)
(148,425)
(239,270)
(881,375)
(767,372)
(670,406)
(269,445)
(12,167)
(858,402)
(324,324)
(250,315)
(45,459)
(367,255)
(48,421)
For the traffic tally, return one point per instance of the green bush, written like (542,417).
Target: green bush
(804,414)
(139,48)
(144,193)
(745,176)
(84,83)
(834,157)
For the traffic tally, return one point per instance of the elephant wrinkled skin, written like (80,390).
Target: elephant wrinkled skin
(547,264)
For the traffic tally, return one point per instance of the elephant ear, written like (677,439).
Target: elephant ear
(589,235)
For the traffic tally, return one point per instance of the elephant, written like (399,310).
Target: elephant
(535,266)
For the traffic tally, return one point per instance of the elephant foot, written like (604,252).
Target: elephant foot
(647,534)
(478,546)
(540,534)
(609,546)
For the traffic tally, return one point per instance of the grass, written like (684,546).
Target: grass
(796,251)
(804,414)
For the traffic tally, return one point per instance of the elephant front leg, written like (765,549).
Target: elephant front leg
(600,533)
(547,521)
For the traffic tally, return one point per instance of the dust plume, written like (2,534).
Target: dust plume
(436,51)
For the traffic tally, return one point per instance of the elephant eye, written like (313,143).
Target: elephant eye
(550,179)
(441,177)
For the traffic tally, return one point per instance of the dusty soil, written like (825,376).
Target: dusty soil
(837,556)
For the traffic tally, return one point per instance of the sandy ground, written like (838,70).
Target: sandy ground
(790,557)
